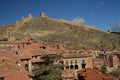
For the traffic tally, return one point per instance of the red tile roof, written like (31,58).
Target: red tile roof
(27,39)
(16,75)
(7,56)
(67,55)
(91,74)
(24,54)
(6,67)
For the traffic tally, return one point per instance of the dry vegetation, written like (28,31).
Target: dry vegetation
(47,29)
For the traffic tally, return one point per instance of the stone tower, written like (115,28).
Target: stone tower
(43,14)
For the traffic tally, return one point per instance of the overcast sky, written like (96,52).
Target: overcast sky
(103,14)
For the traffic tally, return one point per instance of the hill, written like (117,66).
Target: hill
(47,29)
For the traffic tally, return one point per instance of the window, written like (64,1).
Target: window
(22,60)
(36,57)
(76,66)
(19,46)
(71,62)
(26,66)
(67,67)
(76,61)
(3,60)
(83,61)
(43,47)
(71,67)
(83,64)
(16,53)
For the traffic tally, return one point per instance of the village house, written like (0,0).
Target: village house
(25,54)
(10,70)
(73,63)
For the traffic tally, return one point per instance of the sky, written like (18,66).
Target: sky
(103,14)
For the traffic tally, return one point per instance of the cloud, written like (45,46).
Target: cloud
(79,20)
(99,5)
(116,27)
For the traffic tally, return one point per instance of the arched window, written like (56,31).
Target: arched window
(43,47)
(19,46)
(67,67)
(76,66)
(3,60)
(71,67)
(83,64)
(16,53)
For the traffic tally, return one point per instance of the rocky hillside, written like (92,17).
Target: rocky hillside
(60,31)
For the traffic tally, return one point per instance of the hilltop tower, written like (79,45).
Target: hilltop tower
(30,16)
(43,14)
(27,19)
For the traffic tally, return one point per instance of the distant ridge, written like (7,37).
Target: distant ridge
(45,28)
(118,33)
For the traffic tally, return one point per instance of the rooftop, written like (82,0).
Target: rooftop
(92,74)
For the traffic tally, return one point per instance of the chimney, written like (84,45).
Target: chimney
(43,14)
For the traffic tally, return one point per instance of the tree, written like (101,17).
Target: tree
(103,69)
(49,59)
(48,70)
(116,72)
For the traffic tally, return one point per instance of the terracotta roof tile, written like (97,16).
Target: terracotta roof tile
(67,55)
(27,39)
(7,56)
(24,54)
(91,74)
(37,52)
(5,67)
(16,75)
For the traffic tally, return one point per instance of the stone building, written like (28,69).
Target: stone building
(98,62)
(26,53)
(9,69)
(73,61)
